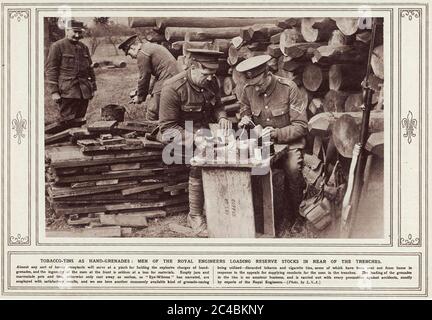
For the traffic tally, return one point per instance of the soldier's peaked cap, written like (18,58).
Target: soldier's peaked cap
(254,66)
(208,58)
(74,25)
(125,45)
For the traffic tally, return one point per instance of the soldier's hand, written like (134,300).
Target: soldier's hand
(245,120)
(225,125)
(269,133)
(56,97)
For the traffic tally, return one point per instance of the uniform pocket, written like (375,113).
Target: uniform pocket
(68,61)
(280,117)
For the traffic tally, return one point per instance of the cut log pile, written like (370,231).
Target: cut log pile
(325,57)
(110,174)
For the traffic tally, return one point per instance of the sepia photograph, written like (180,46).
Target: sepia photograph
(214,127)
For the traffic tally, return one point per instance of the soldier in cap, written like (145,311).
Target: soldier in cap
(193,95)
(69,73)
(273,102)
(152,59)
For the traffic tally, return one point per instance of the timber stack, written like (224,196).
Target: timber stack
(325,57)
(108,175)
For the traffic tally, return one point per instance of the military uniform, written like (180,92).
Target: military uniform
(279,106)
(153,60)
(69,72)
(182,100)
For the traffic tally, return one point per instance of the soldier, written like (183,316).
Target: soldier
(153,59)
(273,102)
(69,73)
(193,95)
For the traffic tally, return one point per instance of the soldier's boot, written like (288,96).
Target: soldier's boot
(196,218)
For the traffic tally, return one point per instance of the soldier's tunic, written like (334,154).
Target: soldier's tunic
(154,60)
(279,107)
(69,72)
(181,100)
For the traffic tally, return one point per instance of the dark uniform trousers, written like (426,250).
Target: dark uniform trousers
(280,107)
(182,101)
(69,73)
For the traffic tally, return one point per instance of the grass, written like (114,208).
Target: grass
(114,86)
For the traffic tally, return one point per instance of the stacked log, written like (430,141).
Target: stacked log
(110,174)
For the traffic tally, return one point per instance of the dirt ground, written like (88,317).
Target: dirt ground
(114,86)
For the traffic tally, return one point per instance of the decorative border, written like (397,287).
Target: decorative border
(19,124)
(272,6)
(410,124)
(197,7)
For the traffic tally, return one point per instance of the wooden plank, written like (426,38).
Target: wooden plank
(113,140)
(82,221)
(56,192)
(57,136)
(78,210)
(59,126)
(101,126)
(85,184)
(107,175)
(143,188)
(179,186)
(107,182)
(228,203)
(102,232)
(88,142)
(147,205)
(124,220)
(75,158)
(125,166)
(147,213)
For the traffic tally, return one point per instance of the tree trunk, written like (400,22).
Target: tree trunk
(237,55)
(354,102)
(339,39)
(348,26)
(274,50)
(377,62)
(346,77)
(228,86)
(204,22)
(135,22)
(289,23)
(341,54)
(321,124)
(201,34)
(259,32)
(317,29)
(315,78)
(315,106)
(334,101)
(297,50)
(289,37)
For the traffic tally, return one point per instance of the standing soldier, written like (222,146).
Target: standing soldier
(193,95)
(273,102)
(152,59)
(69,73)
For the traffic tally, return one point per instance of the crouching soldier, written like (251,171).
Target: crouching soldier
(193,95)
(153,60)
(273,102)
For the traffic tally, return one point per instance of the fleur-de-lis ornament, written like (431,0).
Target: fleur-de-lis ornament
(19,125)
(410,124)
